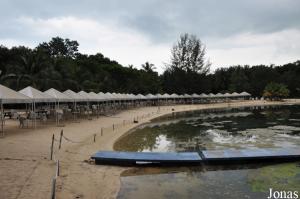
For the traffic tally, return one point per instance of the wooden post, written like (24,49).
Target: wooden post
(57,168)
(60,139)
(2,119)
(51,155)
(113,127)
(53,188)
(94,137)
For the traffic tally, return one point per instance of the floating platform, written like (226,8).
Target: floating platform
(192,158)
(129,158)
(259,155)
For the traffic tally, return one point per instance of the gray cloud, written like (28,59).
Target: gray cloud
(164,20)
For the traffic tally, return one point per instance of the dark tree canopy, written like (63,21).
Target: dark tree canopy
(276,91)
(58,64)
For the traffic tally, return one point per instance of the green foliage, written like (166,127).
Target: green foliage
(58,64)
(279,177)
(276,91)
(188,54)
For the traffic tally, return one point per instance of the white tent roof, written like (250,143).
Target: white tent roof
(234,94)
(245,94)
(109,96)
(219,95)
(36,95)
(74,96)
(85,95)
(187,95)
(126,96)
(9,96)
(58,96)
(133,96)
(158,95)
(166,95)
(94,96)
(203,95)
(174,95)
(211,95)
(195,95)
(121,96)
(150,96)
(102,96)
(140,96)
(227,95)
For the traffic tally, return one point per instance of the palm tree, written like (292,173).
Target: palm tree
(148,67)
(28,70)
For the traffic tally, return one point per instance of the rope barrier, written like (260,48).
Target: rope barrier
(111,116)
(75,142)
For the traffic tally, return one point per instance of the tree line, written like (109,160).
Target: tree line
(58,64)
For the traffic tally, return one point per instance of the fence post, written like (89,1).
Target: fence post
(94,137)
(53,188)
(113,127)
(52,143)
(60,139)
(57,169)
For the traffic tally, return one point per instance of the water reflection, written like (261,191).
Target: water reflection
(227,128)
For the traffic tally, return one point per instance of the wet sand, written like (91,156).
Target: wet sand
(26,170)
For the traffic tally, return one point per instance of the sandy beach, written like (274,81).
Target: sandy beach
(26,170)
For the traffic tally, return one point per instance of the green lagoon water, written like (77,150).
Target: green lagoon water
(256,127)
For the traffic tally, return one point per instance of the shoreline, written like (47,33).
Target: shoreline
(26,171)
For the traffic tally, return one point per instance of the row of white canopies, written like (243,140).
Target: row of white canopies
(30,94)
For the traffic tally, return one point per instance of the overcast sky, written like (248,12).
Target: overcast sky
(135,31)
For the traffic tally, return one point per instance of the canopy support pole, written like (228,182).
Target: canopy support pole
(2,118)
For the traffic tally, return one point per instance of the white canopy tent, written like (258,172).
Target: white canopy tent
(109,96)
(195,95)
(159,96)
(59,97)
(166,96)
(187,96)
(174,95)
(140,96)
(203,95)
(36,97)
(227,95)
(9,96)
(219,95)
(102,96)
(76,97)
(245,94)
(150,96)
(94,96)
(211,95)
(85,96)
(234,94)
